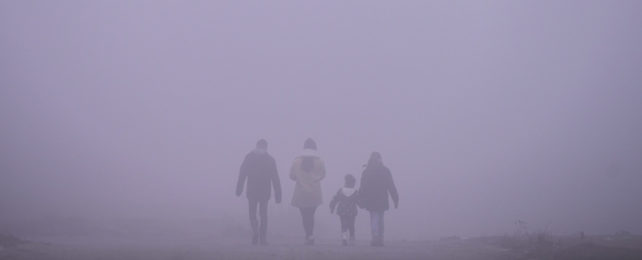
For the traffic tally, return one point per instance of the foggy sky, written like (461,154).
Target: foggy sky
(485,111)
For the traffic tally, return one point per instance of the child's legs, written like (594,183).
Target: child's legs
(351,220)
(345,225)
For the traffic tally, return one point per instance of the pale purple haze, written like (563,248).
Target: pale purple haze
(486,112)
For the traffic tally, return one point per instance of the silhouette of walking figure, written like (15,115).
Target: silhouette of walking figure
(376,184)
(307,170)
(259,168)
(346,199)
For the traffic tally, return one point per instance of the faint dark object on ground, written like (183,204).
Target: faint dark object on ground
(543,245)
(10,241)
(450,238)
(623,234)
(590,250)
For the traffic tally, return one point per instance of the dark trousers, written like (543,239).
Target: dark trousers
(347,225)
(258,232)
(307,214)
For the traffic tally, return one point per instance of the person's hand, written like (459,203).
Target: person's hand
(396,204)
(331,210)
(277,200)
(238,193)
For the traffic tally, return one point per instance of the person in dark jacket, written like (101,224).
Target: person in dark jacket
(376,185)
(259,169)
(346,200)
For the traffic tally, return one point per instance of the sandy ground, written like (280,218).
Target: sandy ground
(229,250)
(88,249)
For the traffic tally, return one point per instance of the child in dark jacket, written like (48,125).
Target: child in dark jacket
(345,201)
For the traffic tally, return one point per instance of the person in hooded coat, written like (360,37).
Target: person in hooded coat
(345,202)
(259,169)
(307,171)
(376,185)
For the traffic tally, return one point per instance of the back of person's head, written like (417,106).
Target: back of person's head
(309,144)
(350,181)
(308,161)
(262,144)
(375,160)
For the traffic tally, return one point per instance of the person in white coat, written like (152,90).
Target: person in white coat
(307,171)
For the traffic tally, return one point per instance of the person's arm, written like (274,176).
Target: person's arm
(392,189)
(242,176)
(360,191)
(334,202)
(322,171)
(293,170)
(276,183)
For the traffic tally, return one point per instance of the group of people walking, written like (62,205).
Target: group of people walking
(259,175)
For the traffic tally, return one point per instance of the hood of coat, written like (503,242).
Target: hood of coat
(348,191)
(259,151)
(309,153)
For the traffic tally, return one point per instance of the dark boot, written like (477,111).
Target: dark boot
(255,239)
(376,241)
(344,238)
(309,240)
(379,242)
(263,240)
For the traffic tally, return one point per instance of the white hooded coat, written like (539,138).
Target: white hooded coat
(307,192)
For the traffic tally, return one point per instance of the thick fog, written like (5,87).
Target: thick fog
(485,112)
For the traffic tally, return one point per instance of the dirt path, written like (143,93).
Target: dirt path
(394,250)
(127,249)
